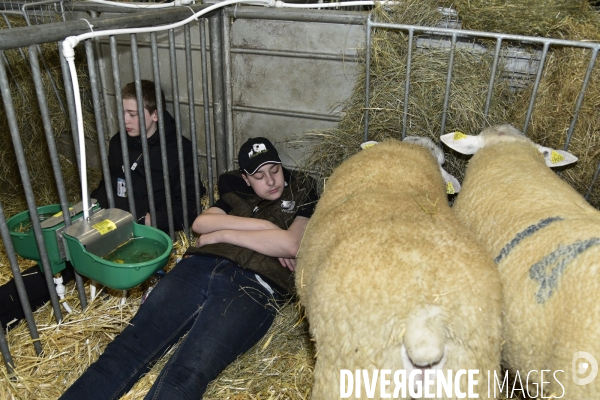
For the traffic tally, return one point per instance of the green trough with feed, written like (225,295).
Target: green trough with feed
(52,223)
(115,251)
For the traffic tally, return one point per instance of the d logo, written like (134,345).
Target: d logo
(579,368)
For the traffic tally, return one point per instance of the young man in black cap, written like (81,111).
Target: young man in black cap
(223,293)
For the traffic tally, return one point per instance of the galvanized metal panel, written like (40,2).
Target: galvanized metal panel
(290,77)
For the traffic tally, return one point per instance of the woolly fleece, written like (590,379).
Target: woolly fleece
(530,219)
(384,263)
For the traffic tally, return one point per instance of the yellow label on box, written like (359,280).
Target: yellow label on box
(105,226)
(449,188)
(458,135)
(556,157)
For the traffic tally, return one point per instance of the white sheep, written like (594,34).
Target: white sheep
(389,279)
(545,240)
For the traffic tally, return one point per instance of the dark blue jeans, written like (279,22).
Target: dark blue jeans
(225,309)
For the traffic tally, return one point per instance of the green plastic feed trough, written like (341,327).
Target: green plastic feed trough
(128,265)
(23,237)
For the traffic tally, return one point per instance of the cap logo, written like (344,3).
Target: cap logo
(257,148)
(287,206)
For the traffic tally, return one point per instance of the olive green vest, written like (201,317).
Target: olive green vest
(281,212)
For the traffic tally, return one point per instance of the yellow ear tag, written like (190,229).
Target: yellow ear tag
(458,135)
(556,157)
(449,188)
(368,144)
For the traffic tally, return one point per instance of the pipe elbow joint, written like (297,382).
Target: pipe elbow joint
(68,46)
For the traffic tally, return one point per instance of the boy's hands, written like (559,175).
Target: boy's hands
(289,263)
(207,238)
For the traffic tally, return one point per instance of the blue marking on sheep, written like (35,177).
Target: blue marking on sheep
(530,230)
(558,261)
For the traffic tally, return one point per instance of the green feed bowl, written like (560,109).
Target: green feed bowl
(127,266)
(23,237)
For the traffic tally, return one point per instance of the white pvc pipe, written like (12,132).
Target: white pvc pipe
(143,5)
(92,290)
(69,54)
(60,291)
(281,4)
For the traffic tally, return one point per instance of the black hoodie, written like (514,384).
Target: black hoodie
(138,177)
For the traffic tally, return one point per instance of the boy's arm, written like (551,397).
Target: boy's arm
(215,219)
(271,242)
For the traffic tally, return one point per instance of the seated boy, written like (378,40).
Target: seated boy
(223,293)
(35,284)
(138,174)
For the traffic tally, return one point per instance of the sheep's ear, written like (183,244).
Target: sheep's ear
(368,144)
(452,184)
(437,152)
(464,144)
(556,158)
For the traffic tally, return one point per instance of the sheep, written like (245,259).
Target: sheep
(544,238)
(389,280)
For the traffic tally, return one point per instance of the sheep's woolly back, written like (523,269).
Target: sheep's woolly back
(386,272)
(545,239)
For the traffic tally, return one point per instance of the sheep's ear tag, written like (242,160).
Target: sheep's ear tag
(452,184)
(458,135)
(368,144)
(556,158)
(464,144)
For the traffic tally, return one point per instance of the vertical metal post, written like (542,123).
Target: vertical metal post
(584,85)
(68,84)
(216,68)
(122,132)
(192,111)
(448,84)
(8,361)
(177,111)
(101,69)
(207,130)
(367,77)
(143,134)
(99,121)
(536,85)
(161,131)
(45,114)
(488,100)
(411,34)
(227,88)
(21,291)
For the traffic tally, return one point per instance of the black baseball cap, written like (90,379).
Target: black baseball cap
(255,153)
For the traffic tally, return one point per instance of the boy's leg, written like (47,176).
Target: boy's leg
(37,293)
(160,322)
(238,312)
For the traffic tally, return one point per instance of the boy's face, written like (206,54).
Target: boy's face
(267,182)
(132,120)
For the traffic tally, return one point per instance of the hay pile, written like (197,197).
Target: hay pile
(558,91)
